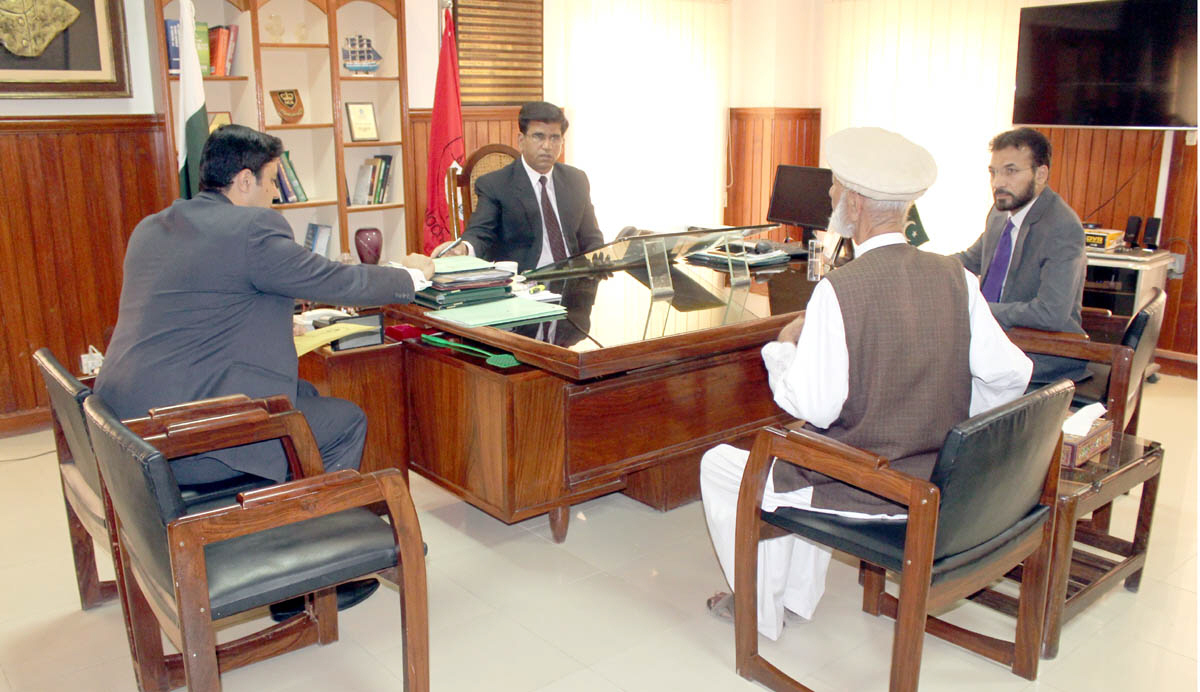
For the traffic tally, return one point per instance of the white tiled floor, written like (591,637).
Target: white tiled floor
(618,606)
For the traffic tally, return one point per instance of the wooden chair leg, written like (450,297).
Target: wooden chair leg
(1031,608)
(145,639)
(414,599)
(323,606)
(873,578)
(92,591)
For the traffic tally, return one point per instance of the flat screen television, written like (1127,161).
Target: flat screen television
(800,197)
(1126,63)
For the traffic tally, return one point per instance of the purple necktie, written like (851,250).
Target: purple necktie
(558,249)
(994,281)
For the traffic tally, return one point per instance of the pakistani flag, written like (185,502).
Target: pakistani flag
(191,128)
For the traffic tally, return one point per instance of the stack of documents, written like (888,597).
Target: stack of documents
(510,311)
(464,280)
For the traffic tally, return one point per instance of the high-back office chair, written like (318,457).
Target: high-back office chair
(986,508)
(80,475)
(1118,370)
(484,160)
(179,573)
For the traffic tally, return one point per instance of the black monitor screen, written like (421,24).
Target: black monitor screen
(1107,64)
(801,197)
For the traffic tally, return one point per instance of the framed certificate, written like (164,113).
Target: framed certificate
(361,119)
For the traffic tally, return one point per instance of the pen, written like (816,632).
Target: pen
(535,289)
(449,247)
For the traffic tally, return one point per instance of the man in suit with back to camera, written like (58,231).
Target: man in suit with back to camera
(895,348)
(1030,259)
(206,310)
(533,211)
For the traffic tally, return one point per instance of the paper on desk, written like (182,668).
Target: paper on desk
(1080,422)
(460,263)
(317,338)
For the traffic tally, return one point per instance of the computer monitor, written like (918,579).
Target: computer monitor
(800,197)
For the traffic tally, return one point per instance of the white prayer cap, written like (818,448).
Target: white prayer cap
(879,164)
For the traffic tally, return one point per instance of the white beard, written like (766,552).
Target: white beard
(839,224)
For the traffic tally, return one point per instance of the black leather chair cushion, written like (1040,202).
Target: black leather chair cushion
(269,566)
(882,542)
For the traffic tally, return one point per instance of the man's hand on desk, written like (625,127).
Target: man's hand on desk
(460,249)
(420,263)
(791,332)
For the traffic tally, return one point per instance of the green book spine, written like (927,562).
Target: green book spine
(293,179)
(202,47)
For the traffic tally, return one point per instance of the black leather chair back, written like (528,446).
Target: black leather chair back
(66,403)
(144,493)
(992,467)
(1142,336)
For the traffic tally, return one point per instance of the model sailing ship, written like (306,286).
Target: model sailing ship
(359,56)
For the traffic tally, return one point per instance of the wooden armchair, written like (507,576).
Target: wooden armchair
(484,160)
(1118,370)
(985,509)
(178,572)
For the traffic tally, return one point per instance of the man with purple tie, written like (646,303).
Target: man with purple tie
(1030,258)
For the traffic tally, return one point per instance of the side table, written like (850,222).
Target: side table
(1079,576)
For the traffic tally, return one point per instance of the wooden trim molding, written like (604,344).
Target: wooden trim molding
(760,139)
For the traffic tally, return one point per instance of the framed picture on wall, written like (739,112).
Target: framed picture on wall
(361,119)
(78,52)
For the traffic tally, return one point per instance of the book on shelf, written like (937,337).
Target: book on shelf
(233,32)
(202,47)
(293,180)
(316,238)
(218,49)
(385,174)
(362,185)
(171,27)
(285,189)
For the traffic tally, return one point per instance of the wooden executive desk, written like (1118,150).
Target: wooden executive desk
(625,395)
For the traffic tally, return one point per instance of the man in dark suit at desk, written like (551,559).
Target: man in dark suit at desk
(533,211)
(206,310)
(1030,258)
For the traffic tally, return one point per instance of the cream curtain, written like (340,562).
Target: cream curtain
(645,84)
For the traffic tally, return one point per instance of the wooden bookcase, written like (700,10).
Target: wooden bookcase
(306,56)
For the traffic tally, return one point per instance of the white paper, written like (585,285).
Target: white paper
(1080,422)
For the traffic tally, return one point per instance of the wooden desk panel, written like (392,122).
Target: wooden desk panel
(373,378)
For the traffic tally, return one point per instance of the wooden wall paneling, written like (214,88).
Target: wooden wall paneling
(760,139)
(1179,235)
(73,189)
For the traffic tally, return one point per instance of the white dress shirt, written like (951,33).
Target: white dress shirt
(811,378)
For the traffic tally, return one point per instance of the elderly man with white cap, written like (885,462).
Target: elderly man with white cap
(894,349)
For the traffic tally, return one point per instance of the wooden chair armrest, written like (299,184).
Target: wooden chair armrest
(241,423)
(1104,326)
(286,503)
(1064,344)
(841,462)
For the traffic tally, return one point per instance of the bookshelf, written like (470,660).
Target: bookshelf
(297,44)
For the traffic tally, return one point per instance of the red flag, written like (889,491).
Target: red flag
(445,141)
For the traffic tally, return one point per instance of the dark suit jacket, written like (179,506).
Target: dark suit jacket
(1044,288)
(507,222)
(206,307)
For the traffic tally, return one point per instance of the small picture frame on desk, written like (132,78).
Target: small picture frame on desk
(361,119)
(217,119)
